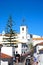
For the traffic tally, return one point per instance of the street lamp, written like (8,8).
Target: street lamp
(0,52)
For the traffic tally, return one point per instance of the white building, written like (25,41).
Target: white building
(23,39)
(37,39)
(6,56)
(38,52)
(20,42)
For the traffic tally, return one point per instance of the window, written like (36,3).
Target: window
(24,52)
(22,29)
(23,37)
(24,45)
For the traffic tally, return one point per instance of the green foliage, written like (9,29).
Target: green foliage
(31,45)
(9,30)
(9,26)
(31,48)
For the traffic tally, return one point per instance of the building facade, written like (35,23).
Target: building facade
(21,40)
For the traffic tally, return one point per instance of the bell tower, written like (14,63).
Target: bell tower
(23,30)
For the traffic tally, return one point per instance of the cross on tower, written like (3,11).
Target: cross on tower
(23,21)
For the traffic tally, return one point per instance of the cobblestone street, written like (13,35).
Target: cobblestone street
(19,63)
(23,63)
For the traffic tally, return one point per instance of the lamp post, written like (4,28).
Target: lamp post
(0,52)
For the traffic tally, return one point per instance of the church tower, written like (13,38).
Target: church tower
(23,30)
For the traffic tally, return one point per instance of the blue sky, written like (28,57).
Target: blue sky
(30,10)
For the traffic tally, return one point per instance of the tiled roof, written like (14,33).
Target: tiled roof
(41,43)
(37,38)
(1,44)
(3,56)
(41,49)
(9,35)
(0,34)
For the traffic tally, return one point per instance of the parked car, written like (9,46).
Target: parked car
(27,62)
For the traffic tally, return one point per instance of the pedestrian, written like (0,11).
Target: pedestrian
(36,63)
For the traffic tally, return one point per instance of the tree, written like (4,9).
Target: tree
(9,26)
(9,30)
(31,45)
(31,48)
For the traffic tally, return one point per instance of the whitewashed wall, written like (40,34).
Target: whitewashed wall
(7,50)
(41,59)
(4,63)
(38,48)
(19,48)
(36,42)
